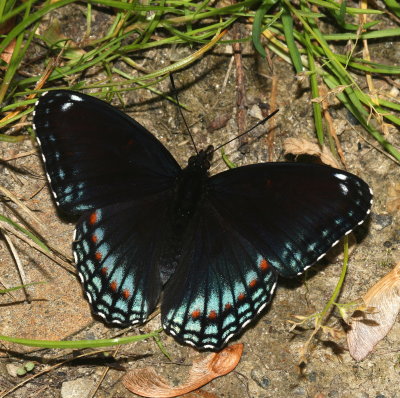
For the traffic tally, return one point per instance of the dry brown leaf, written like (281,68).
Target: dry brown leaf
(301,146)
(8,52)
(393,198)
(384,297)
(148,383)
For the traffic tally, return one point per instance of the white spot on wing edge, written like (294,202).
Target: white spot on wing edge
(228,337)
(89,297)
(341,176)
(101,314)
(335,243)
(76,98)
(76,258)
(246,323)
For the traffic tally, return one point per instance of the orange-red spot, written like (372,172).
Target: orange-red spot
(264,264)
(253,283)
(196,314)
(129,143)
(94,238)
(104,271)
(241,296)
(114,286)
(228,306)
(93,218)
(126,294)
(98,256)
(212,315)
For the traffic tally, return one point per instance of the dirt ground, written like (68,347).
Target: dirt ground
(270,363)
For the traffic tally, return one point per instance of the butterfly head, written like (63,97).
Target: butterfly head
(202,160)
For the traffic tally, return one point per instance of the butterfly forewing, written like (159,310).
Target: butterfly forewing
(96,155)
(293,213)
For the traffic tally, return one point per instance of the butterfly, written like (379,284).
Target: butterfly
(212,246)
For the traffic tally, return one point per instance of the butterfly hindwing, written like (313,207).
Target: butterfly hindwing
(118,251)
(94,154)
(221,283)
(293,213)
(257,222)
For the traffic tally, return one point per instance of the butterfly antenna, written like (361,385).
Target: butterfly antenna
(248,131)
(180,111)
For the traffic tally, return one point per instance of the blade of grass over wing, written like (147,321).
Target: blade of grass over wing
(320,318)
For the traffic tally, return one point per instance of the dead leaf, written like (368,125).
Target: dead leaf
(393,198)
(8,52)
(218,122)
(148,383)
(384,297)
(301,146)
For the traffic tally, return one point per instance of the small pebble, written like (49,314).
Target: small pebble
(312,376)
(259,377)
(382,221)
(299,391)
(12,369)
(78,388)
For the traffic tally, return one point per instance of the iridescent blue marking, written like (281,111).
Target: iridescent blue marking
(122,305)
(108,300)
(243,308)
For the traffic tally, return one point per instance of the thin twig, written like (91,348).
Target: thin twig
(18,262)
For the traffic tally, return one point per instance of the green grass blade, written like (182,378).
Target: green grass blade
(257,26)
(25,232)
(287,22)
(80,344)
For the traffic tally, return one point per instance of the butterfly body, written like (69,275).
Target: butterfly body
(215,244)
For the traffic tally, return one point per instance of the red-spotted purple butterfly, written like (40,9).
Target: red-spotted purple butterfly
(214,245)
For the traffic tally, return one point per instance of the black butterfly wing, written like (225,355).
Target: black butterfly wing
(96,155)
(293,213)
(221,283)
(119,251)
(106,167)
(256,222)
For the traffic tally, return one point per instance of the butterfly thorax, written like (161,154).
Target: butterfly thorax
(191,184)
